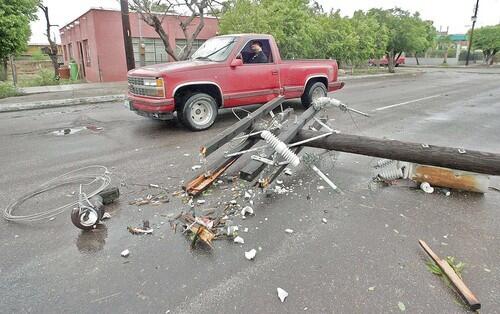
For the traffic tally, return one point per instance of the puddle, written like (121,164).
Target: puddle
(69,131)
(92,241)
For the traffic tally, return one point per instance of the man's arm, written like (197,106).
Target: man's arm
(261,58)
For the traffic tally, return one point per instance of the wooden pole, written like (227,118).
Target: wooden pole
(14,70)
(474,18)
(457,282)
(127,35)
(447,157)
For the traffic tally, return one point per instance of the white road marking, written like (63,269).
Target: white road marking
(407,102)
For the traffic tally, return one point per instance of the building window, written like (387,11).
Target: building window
(180,45)
(86,52)
(151,52)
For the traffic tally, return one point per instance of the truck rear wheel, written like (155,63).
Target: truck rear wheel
(313,91)
(198,111)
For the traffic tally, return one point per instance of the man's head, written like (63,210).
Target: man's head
(256,46)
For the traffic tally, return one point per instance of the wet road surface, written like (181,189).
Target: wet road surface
(365,259)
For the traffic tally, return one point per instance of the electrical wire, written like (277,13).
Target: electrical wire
(99,174)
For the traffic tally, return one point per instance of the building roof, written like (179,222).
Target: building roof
(115,10)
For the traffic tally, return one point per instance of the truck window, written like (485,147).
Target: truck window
(247,54)
(215,49)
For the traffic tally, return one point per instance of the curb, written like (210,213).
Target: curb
(61,103)
(369,76)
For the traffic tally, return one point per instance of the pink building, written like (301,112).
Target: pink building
(95,41)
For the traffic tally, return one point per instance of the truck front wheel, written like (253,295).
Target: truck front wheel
(313,92)
(198,111)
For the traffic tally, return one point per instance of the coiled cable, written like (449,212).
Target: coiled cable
(98,174)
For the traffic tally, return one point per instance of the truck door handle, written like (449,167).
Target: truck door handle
(274,72)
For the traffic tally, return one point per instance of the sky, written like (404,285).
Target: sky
(454,14)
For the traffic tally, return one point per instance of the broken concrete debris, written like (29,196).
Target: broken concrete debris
(250,255)
(125,253)
(426,187)
(153,199)
(247,210)
(239,240)
(282,294)
(105,216)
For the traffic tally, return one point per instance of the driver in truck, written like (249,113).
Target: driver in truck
(258,55)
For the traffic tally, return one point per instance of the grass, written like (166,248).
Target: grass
(8,90)
(458,267)
(44,77)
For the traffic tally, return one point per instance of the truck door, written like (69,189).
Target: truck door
(253,83)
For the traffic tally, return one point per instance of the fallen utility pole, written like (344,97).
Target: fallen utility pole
(447,157)
(254,168)
(204,178)
(240,126)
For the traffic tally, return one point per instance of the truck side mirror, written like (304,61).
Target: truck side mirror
(236,63)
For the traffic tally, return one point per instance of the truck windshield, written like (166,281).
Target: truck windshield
(215,49)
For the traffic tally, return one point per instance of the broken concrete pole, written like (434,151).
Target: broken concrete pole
(453,179)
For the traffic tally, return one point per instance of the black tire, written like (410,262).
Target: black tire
(198,111)
(311,93)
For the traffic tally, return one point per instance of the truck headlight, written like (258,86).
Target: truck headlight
(157,83)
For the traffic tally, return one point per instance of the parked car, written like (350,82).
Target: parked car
(385,61)
(217,76)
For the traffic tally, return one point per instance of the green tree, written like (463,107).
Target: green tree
(426,42)
(333,37)
(372,38)
(406,32)
(487,39)
(445,43)
(15,17)
(289,21)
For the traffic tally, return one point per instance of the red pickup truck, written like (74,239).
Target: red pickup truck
(217,76)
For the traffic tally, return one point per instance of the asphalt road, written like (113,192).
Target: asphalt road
(365,259)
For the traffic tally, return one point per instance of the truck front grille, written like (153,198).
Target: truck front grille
(136,86)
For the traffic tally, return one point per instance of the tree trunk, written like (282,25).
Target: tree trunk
(399,55)
(390,60)
(445,60)
(153,21)
(55,64)
(3,72)
(416,58)
(53,46)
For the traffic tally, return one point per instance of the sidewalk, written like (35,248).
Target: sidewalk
(43,97)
